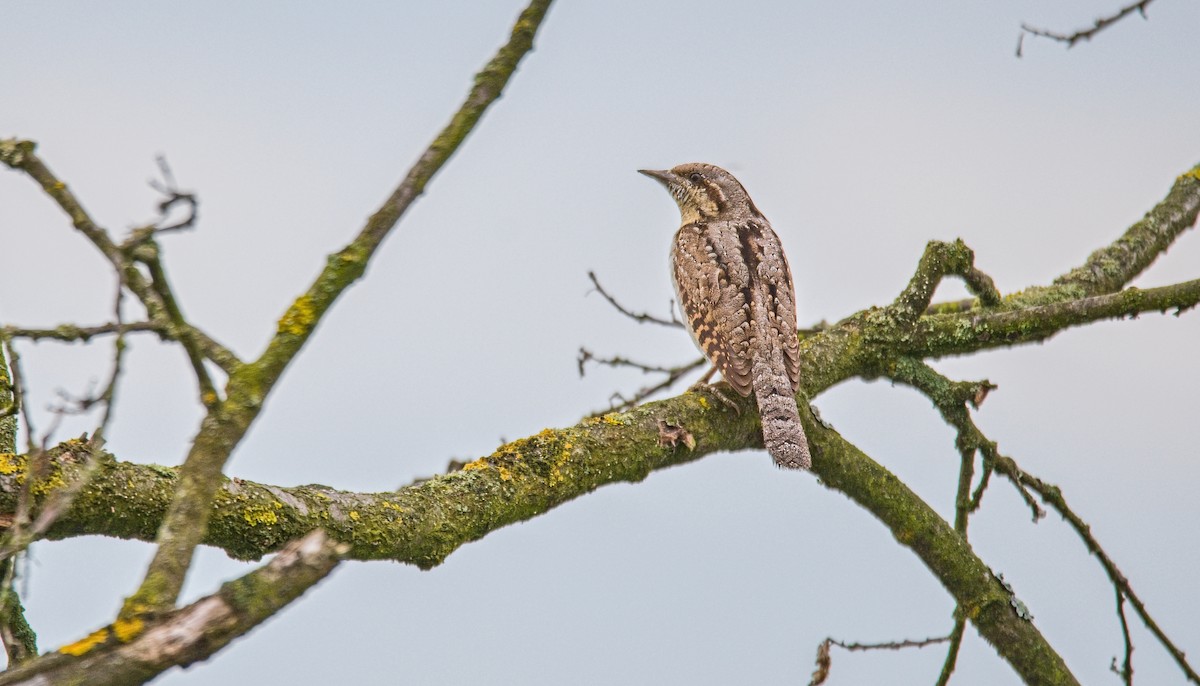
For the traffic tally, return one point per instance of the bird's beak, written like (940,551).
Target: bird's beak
(664,177)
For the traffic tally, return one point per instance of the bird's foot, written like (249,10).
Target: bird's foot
(703,387)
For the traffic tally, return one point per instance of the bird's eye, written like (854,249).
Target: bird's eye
(695,177)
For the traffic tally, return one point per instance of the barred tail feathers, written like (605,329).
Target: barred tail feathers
(782,432)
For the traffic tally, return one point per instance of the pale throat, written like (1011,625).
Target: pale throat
(696,206)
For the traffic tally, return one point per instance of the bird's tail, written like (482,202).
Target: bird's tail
(782,432)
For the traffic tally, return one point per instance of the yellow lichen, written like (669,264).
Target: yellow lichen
(9,464)
(260,515)
(505,473)
(703,402)
(127,629)
(83,645)
(481,463)
(1193,173)
(49,484)
(354,515)
(299,318)
(613,419)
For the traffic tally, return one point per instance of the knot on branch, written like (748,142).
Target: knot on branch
(13,151)
(939,260)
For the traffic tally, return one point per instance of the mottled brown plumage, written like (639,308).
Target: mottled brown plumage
(738,302)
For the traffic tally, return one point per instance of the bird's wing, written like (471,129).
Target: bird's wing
(777,295)
(712,282)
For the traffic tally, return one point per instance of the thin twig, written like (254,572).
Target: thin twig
(956,636)
(20,154)
(1052,496)
(618,402)
(186,334)
(891,645)
(824,659)
(108,397)
(71,333)
(639,317)
(1125,671)
(1084,34)
(173,197)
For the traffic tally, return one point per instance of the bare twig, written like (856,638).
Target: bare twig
(1052,496)
(149,256)
(951,399)
(824,660)
(108,397)
(1125,671)
(173,197)
(956,636)
(890,645)
(20,154)
(639,317)
(71,333)
(620,403)
(1083,34)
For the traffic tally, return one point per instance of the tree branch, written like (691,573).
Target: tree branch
(1052,496)
(134,651)
(945,335)
(19,639)
(227,421)
(71,333)
(951,399)
(526,478)
(938,261)
(21,155)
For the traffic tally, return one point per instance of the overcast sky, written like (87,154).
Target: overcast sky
(862,130)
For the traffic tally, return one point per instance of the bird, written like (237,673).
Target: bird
(737,298)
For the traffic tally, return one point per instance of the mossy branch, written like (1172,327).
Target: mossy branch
(423,523)
(18,638)
(134,651)
(938,261)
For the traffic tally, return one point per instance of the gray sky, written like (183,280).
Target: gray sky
(861,130)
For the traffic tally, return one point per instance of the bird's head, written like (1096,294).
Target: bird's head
(704,192)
